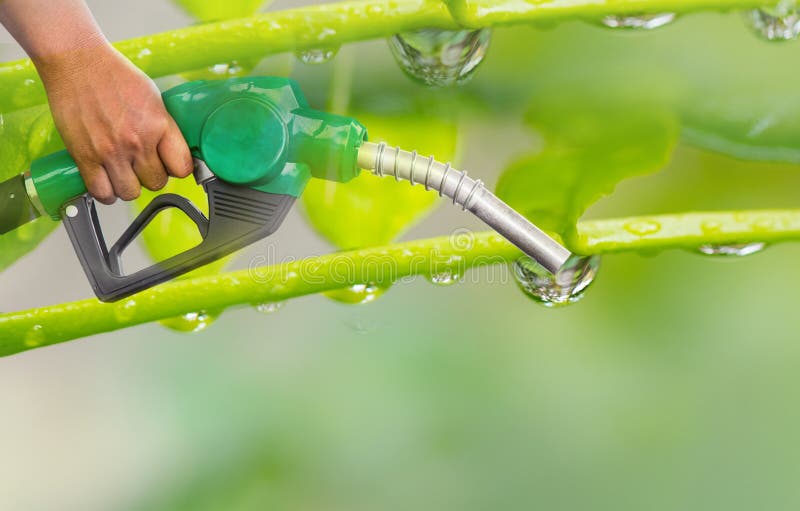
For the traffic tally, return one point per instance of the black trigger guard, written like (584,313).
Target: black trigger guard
(158,204)
(238,216)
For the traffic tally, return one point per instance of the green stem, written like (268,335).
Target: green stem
(686,230)
(328,25)
(20,331)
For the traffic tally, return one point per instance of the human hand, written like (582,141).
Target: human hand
(113,122)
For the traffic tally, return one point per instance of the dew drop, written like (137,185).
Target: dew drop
(778,23)
(642,227)
(358,294)
(764,224)
(269,307)
(190,322)
(639,21)
(124,311)
(710,226)
(217,71)
(144,57)
(316,55)
(35,336)
(227,69)
(732,250)
(438,57)
(445,278)
(26,233)
(563,288)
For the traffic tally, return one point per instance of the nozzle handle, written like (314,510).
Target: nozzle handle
(238,216)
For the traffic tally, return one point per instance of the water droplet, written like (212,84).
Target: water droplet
(565,287)
(732,250)
(642,227)
(778,23)
(144,57)
(217,71)
(440,57)
(639,21)
(764,224)
(445,278)
(710,226)
(190,322)
(35,336)
(316,55)
(358,294)
(124,311)
(227,69)
(269,307)
(12,195)
(26,233)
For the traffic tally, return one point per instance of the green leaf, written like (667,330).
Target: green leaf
(214,10)
(25,135)
(754,124)
(370,210)
(695,66)
(589,147)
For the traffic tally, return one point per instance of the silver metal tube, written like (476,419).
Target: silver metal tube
(470,194)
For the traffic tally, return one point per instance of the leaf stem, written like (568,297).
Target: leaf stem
(329,25)
(24,330)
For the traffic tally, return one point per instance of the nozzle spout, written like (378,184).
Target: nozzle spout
(470,194)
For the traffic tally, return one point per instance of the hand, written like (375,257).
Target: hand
(113,122)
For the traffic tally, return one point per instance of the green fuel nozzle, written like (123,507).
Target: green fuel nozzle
(257,132)
(256,143)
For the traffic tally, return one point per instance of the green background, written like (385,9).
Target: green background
(672,385)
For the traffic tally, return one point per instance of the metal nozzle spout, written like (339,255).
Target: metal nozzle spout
(468,193)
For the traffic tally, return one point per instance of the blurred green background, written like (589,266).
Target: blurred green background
(672,385)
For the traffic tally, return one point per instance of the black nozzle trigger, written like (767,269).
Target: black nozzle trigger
(238,216)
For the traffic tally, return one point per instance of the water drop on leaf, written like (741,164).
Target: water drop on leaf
(124,311)
(358,294)
(563,288)
(190,322)
(779,23)
(642,227)
(445,278)
(732,250)
(316,55)
(143,58)
(35,336)
(221,71)
(440,57)
(639,21)
(269,307)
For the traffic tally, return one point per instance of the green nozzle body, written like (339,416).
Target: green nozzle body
(253,131)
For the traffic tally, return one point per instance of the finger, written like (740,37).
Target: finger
(150,171)
(123,179)
(97,183)
(174,152)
